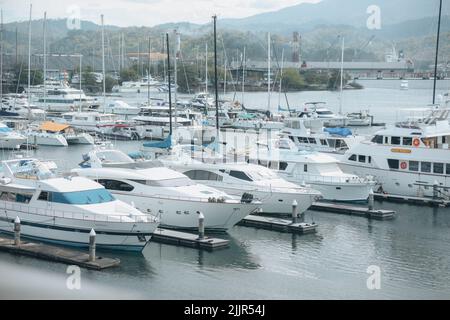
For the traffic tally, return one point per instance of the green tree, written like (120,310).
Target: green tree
(292,80)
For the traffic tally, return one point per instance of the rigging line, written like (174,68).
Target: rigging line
(184,71)
(284,91)
(226,65)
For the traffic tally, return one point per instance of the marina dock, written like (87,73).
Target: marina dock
(353,210)
(277,224)
(190,240)
(423,201)
(57,254)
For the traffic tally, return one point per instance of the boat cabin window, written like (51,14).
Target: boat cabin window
(15,197)
(43,196)
(407,141)
(448,168)
(370,159)
(240,175)
(414,166)
(395,140)
(352,157)
(283,166)
(340,144)
(116,185)
(378,139)
(312,140)
(203,175)
(386,140)
(393,164)
(362,159)
(305,168)
(425,166)
(430,142)
(82,197)
(323,142)
(438,168)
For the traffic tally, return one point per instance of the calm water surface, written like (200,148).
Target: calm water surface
(412,251)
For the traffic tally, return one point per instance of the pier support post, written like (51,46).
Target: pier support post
(371,199)
(17,232)
(201,226)
(92,245)
(294,211)
(435,190)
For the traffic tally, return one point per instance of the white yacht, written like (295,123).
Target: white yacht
(50,85)
(310,135)
(408,158)
(404,85)
(139,87)
(64,210)
(359,119)
(319,110)
(65,100)
(17,105)
(10,139)
(275,193)
(166,193)
(47,134)
(121,108)
(319,170)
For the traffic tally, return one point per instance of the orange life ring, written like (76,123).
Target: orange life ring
(403,165)
(416,142)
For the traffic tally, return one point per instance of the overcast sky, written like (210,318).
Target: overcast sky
(143,12)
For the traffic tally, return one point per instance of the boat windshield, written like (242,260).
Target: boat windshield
(78,197)
(262,175)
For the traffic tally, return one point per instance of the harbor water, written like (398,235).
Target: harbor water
(412,251)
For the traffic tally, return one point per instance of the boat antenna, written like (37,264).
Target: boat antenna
(437,52)
(268,70)
(215,75)
(168,81)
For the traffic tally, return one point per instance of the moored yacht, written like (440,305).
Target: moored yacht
(319,170)
(309,134)
(10,139)
(408,158)
(163,192)
(64,210)
(275,193)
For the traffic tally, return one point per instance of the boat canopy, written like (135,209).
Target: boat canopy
(343,132)
(53,126)
(165,144)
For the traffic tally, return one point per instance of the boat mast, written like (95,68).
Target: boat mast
(29,55)
(148,72)
(45,60)
(268,70)
(80,77)
(168,81)
(215,75)
(437,52)
(206,69)
(103,63)
(243,77)
(342,75)
(1,57)
(281,77)
(177,56)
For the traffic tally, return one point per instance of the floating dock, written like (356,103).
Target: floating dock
(353,210)
(277,224)
(424,201)
(57,254)
(188,240)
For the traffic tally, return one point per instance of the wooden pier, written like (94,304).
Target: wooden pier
(57,254)
(424,201)
(186,239)
(353,210)
(277,224)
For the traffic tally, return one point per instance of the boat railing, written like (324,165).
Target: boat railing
(311,178)
(82,216)
(197,199)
